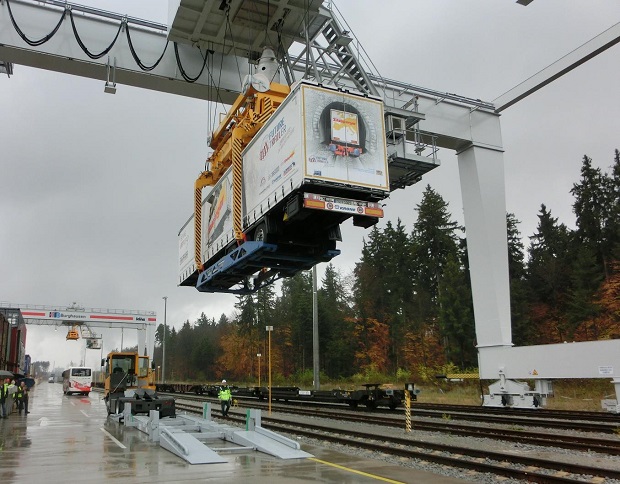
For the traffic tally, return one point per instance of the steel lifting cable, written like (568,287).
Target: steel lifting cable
(84,48)
(232,40)
(182,71)
(42,40)
(137,59)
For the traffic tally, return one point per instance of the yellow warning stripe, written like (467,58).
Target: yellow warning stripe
(348,469)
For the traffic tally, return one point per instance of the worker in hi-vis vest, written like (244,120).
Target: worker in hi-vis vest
(225,398)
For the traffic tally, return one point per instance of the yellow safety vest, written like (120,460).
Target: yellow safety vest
(225,394)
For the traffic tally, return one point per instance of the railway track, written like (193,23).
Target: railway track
(588,422)
(582,443)
(376,437)
(604,417)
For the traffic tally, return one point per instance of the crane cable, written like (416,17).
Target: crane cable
(45,38)
(42,40)
(81,44)
(137,59)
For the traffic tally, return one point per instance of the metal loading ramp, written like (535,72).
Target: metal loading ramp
(199,440)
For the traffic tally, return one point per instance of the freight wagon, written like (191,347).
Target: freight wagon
(372,395)
(12,341)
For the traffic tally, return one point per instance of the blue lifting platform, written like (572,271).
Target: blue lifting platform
(255,264)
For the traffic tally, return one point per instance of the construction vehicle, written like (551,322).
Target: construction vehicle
(130,379)
(288,167)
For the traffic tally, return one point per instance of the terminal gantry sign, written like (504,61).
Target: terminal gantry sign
(144,322)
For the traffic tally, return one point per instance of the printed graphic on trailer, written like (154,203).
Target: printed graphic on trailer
(273,157)
(344,138)
(220,210)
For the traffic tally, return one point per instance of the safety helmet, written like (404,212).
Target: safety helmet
(223,381)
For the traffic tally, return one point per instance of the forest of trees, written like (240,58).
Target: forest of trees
(407,308)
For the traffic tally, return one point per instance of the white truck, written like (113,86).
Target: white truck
(319,160)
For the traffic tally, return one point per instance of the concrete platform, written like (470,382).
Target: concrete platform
(69,439)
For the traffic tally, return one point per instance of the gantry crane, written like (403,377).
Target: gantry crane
(311,43)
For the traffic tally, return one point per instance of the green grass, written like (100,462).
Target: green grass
(585,395)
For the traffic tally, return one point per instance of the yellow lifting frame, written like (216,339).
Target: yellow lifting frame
(73,333)
(246,116)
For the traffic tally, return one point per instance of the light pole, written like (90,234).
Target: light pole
(101,372)
(315,333)
(158,373)
(163,343)
(258,355)
(269,330)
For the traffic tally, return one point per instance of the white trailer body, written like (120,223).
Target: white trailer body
(291,173)
(217,227)
(293,149)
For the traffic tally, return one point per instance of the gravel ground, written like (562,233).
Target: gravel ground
(557,454)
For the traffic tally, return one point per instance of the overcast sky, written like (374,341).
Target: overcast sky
(94,187)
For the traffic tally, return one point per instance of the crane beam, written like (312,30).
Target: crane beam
(570,61)
(63,54)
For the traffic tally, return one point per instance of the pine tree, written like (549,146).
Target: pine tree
(585,281)
(548,278)
(434,239)
(335,335)
(521,326)
(548,264)
(592,207)
(612,229)
(456,317)
(295,313)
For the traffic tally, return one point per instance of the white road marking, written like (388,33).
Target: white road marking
(85,414)
(72,403)
(112,437)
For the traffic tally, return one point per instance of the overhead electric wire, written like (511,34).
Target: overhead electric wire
(42,40)
(232,39)
(84,48)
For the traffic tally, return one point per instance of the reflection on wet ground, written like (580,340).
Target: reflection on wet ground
(69,439)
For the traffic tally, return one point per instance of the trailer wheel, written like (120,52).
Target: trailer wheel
(353,404)
(260,234)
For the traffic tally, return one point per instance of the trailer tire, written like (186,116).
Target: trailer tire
(260,233)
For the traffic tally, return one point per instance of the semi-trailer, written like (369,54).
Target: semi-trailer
(318,160)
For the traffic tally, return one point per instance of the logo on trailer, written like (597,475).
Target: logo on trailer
(330,206)
(138,318)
